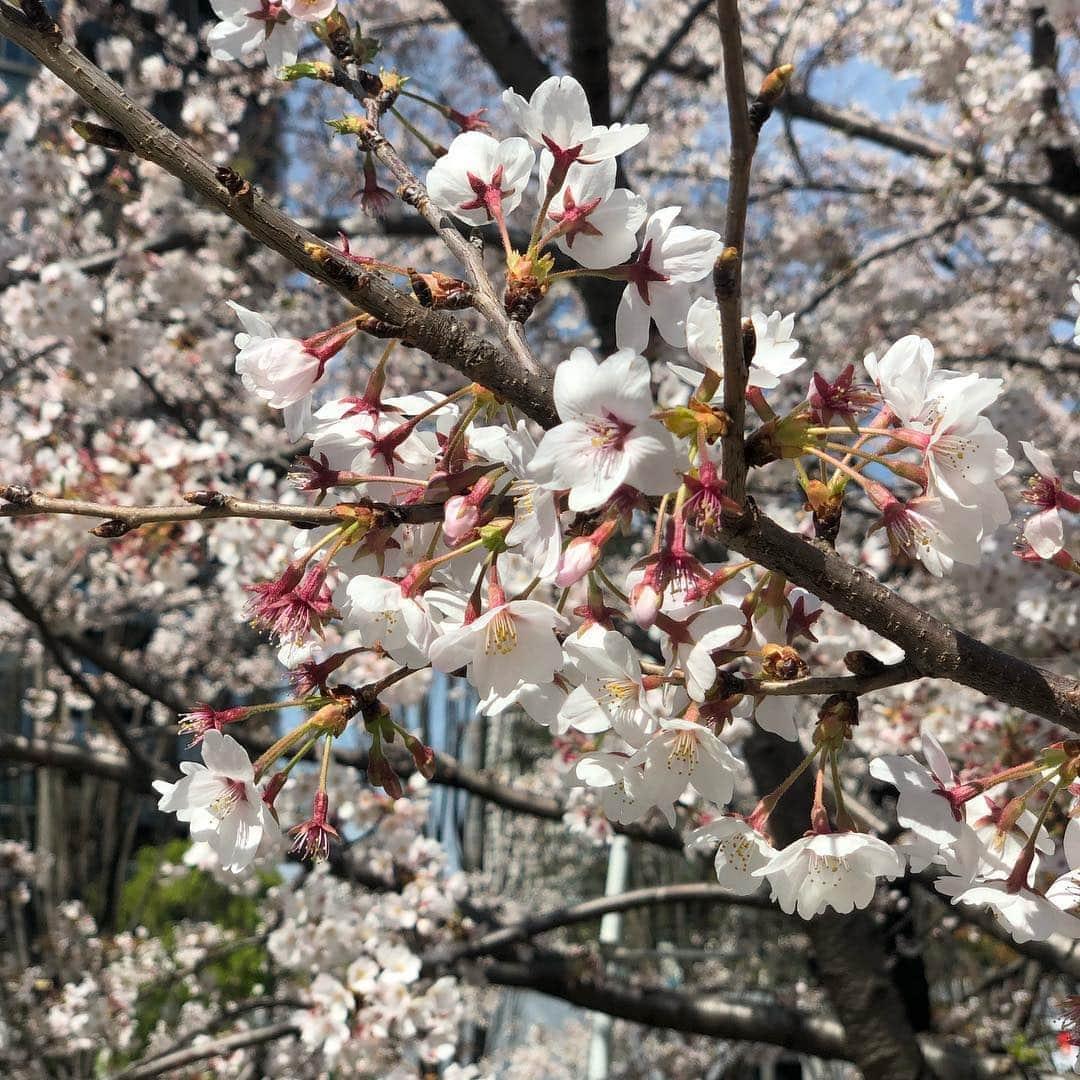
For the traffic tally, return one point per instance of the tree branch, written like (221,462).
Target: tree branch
(657,60)
(1061,211)
(589,911)
(156,1066)
(934,648)
(500,42)
(589,41)
(435,332)
(22,503)
(728,274)
(874,254)
(769,1024)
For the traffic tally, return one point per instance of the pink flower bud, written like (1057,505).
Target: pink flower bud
(644,604)
(580,556)
(460,517)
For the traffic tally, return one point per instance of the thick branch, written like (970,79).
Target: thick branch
(1059,210)
(500,42)
(773,1025)
(156,1066)
(932,646)
(435,332)
(589,911)
(54,755)
(590,42)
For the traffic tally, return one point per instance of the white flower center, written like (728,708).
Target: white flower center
(683,755)
(738,852)
(232,792)
(619,695)
(950,450)
(500,636)
(827,870)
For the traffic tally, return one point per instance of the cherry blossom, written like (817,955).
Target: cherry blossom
(671,259)
(683,752)
(557,118)
(830,870)
(219,800)
(774,349)
(592,221)
(612,693)
(404,626)
(606,439)
(1024,913)
(244,30)
(480,179)
(280,371)
(741,851)
(619,782)
(1043,530)
(309,10)
(512,642)
(924,801)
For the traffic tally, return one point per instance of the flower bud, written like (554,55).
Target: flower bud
(422,754)
(460,517)
(381,774)
(836,718)
(580,556)
(644,604)
(312,69)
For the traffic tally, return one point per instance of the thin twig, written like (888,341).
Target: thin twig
(22,503)
(728,275)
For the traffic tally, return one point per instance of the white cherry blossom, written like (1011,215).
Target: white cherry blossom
(479,178)
(607,437)
(309,10)
(280,371)
(611,694)
(596,224)
(683,752)
(619,784)
(922,805)
(557,118)
(830,870)
(741,851)
(1043,530)
(774,353)
(671,259)
(1024,913)
(219,800)
(250,25)
(510,643)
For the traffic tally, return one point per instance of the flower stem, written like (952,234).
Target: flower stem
(324,769)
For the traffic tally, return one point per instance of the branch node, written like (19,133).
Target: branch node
(772,89)
(110,530)
(38,18)
(16,494)
(107,137)
(233,182)
(212,500)
(726,274)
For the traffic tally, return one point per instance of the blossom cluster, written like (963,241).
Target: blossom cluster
(568,573)
(510,588)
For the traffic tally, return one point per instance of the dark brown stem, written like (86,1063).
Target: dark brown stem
(728,276)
